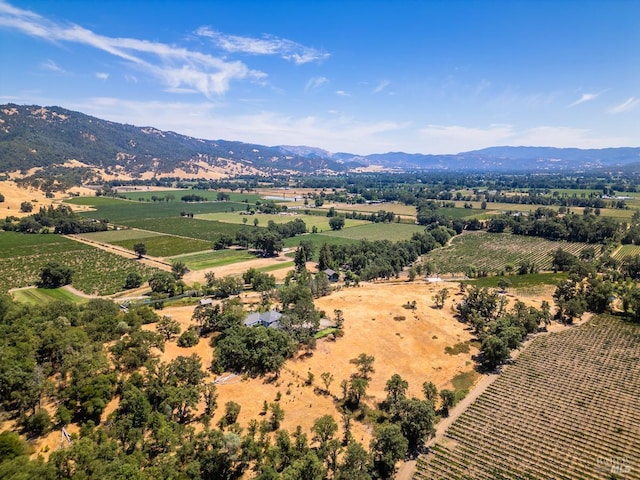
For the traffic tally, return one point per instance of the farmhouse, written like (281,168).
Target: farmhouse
(332,275)
(270,319)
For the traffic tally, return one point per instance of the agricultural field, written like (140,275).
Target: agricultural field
(157,244)
(626,251)
(213,258)
(320,222)
(393,232)
(188,227)
(42,296)
(125,211)
(22,257)
(494,251)
(567,409)
(210,195)
(316,239)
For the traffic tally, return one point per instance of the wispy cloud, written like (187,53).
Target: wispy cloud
(178,68)
(586,97)
(629,104)
(51,66)
(316,82)
(476,137)
(266,45)
(102,75)
(342,93)
(381,86)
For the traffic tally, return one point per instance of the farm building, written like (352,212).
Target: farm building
(332,275)
(268,319)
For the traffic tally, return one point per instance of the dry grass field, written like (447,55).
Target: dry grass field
(567,409)
(413,347)
(14,195)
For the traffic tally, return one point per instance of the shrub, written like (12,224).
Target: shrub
(38,424)
(189,338)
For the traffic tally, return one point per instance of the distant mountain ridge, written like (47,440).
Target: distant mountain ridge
(35,136)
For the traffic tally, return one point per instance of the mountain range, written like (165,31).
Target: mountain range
(34,136)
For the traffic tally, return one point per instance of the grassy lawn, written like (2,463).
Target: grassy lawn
(320,222)
(494,251)
(39,296)
(217,258)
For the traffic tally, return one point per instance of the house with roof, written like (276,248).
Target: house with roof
(332,275)
(270,319)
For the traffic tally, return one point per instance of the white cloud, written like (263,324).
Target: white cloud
(342,93)
(629,104)
(178,68)
(315,82)
(586,97)
(102,75)
(381,86)
(267,45)
(51,66)
(456,138)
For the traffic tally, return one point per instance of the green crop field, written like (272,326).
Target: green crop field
(111,236)
(157,244)
(125,211)
(320,222)
(393,232)
(39,296)
(13,244)
(210,195)
(167,245)
(214,258)
(316,239)
(188,227)
(493,251)
(566,409)
(626,251)
(95,271)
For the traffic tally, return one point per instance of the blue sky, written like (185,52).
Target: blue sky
(356,76)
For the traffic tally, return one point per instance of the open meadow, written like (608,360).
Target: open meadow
(568,408)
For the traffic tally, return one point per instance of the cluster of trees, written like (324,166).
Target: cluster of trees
(61,219)
(547,223)
(498,329)
(368,260)
(410,188)
(269,241)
